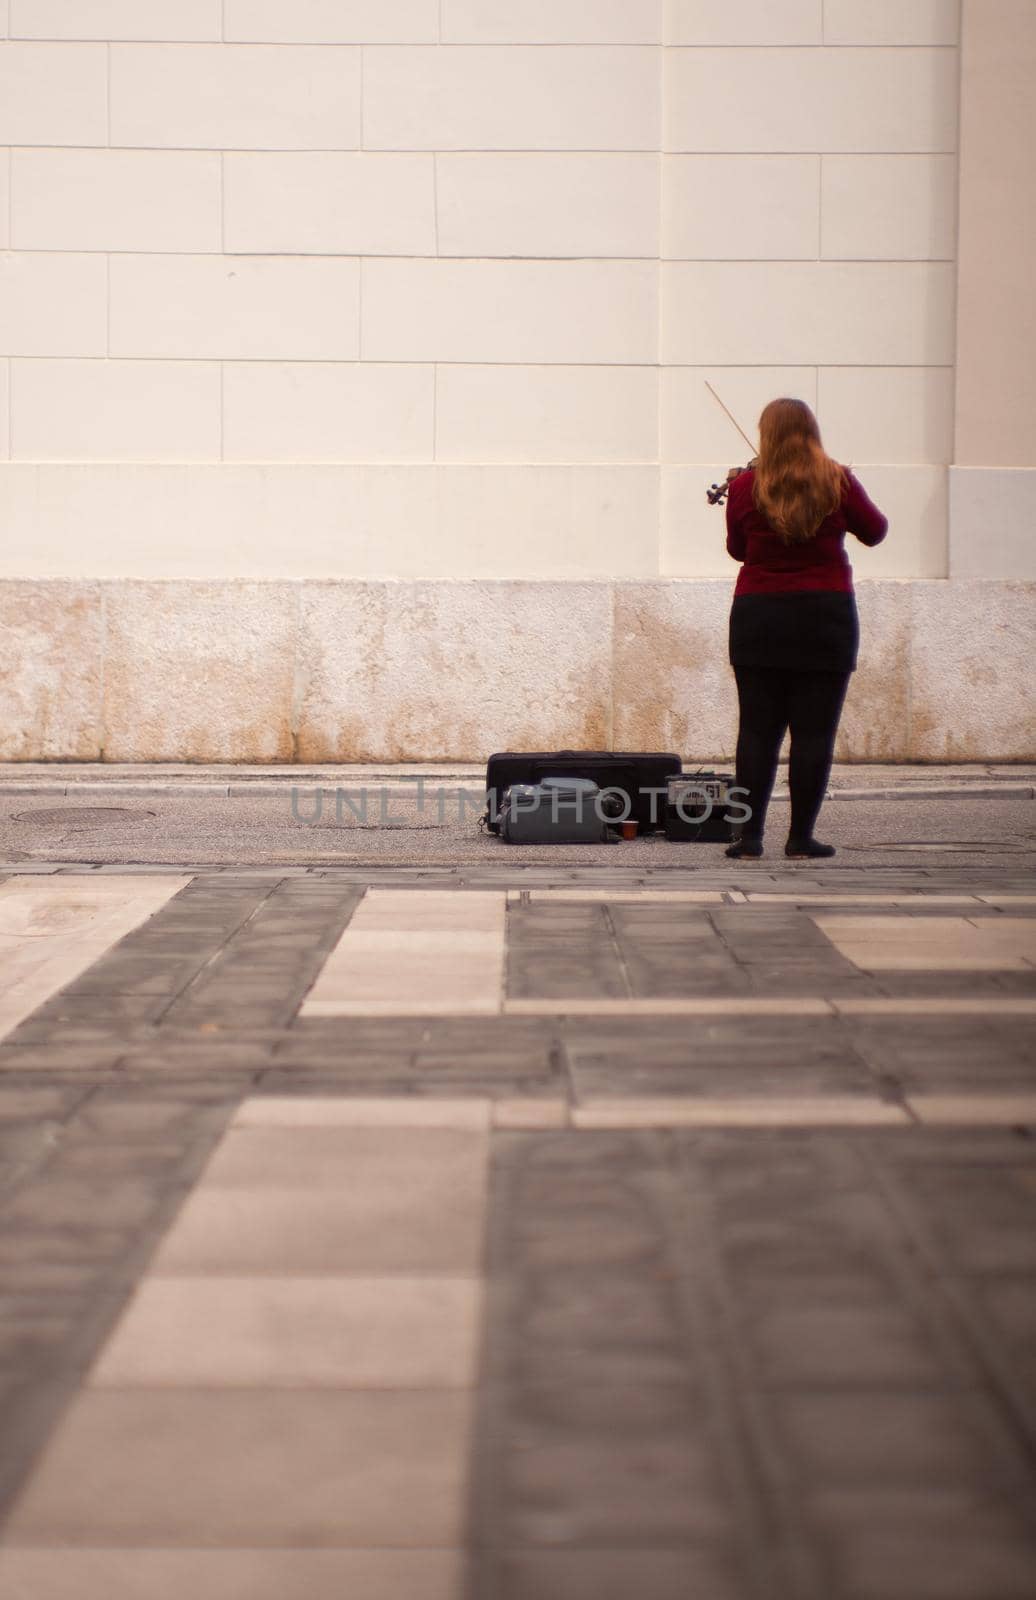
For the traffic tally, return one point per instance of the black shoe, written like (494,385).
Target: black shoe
(811,848)
(744,847)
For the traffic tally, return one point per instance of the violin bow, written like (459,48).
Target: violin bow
(753,447)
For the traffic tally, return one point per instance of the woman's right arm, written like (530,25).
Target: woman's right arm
(862,516)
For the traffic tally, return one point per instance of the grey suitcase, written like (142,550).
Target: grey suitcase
(556,811)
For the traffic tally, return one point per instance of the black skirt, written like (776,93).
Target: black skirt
(812,631)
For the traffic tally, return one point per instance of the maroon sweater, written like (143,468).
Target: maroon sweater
(773,567)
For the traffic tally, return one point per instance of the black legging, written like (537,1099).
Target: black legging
(771,702)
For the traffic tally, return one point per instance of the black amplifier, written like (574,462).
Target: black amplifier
(696,808)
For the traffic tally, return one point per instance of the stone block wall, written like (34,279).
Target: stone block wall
(390,304)
(327,671)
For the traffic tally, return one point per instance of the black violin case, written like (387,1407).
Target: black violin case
(634,774)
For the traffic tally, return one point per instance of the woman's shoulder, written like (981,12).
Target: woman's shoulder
(741,486)
(854,494)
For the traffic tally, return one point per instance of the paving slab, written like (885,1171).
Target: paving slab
(289,1333)
(229,1574)
(233,1469)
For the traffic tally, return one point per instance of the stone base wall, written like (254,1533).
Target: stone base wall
(326,671)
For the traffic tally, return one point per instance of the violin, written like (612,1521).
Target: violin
(718,492)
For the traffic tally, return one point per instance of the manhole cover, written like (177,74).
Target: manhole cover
(80,816)
(952,846)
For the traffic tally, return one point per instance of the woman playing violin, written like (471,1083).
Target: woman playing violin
(794,631)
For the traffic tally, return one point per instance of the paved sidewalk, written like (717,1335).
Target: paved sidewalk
(502,1232)
(236,781)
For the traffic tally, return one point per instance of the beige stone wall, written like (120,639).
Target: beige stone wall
(996,306)
(430,288)
(352,364)
(351,671)
(993,482)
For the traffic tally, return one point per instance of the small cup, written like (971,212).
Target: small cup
(629,830)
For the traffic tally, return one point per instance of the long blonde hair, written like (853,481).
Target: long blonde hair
(796,484)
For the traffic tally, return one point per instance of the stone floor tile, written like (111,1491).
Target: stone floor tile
(556,978)
(54,1202)
(1012,1304)
(715,1072)
(583,1234)
(519,1112)
(797,1236)
(772,1166)
(648,1364)
(985,1240)
(925,1505)
(25,1341)
(881,1439)
(298,1574)
(543,925)
(23,1146)
(645,896)
(737,1111)
(698,1006)
(518,1064)
(878,958)
(610,1574)
(461,1033)
(418,1083)
(378,1225)
(323,1051)
(354,1333)
(971,1109)
(432,909)
(946,944)
(405,946)
(921,1006)
(117,1012)
(572,1319)
(88,1159)
(853,1346)
(371,1153)
(800,1036)
(97,1057)
(280,1111)
(128,1114)
(248,1469)
(375,994)
(651,978)
(121,972)
(236,1064)
(574,1462)
(938,1564)
(804,982)
(419,954)
(19,1102)
(953,1148)
(83,1245)
(660,931)
(43,1277)
(839,897)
